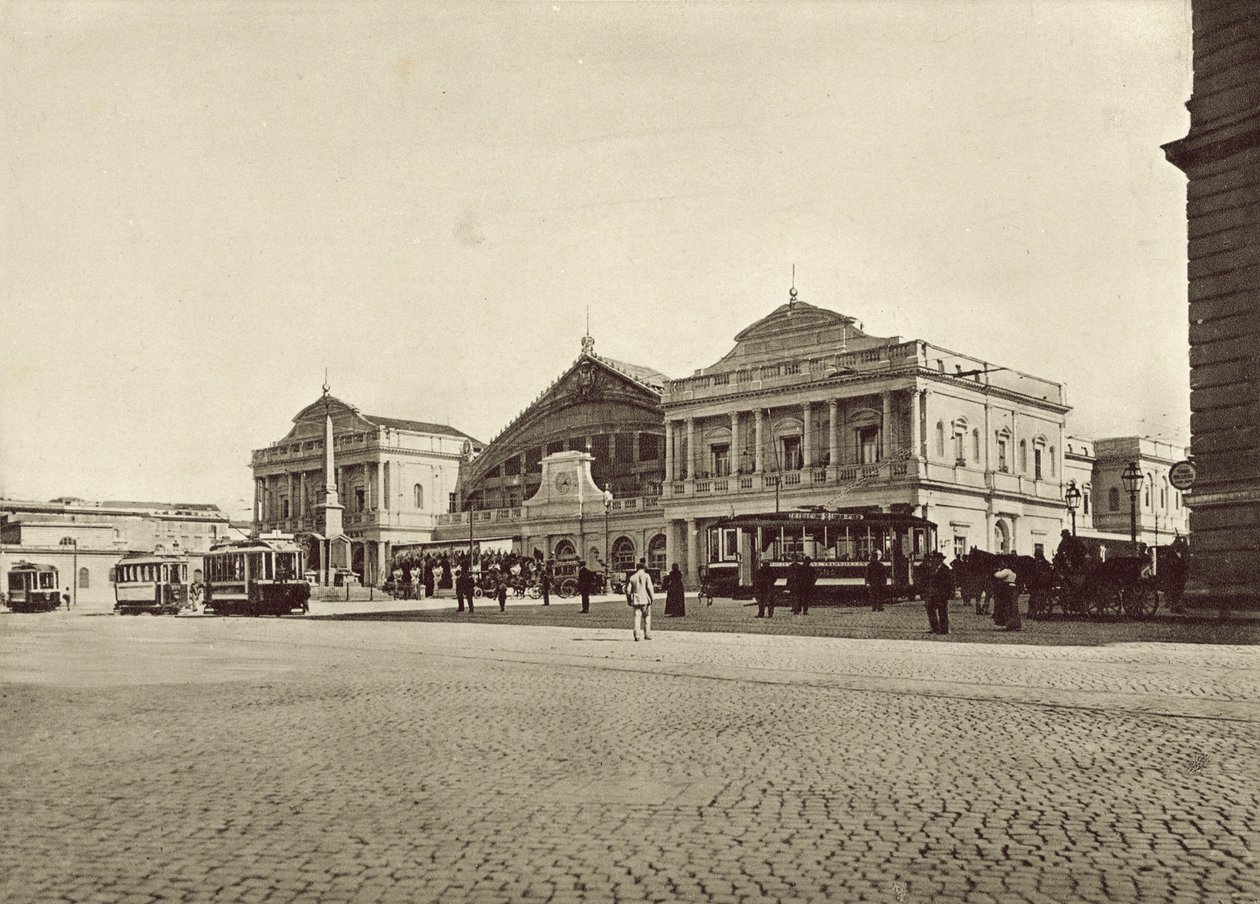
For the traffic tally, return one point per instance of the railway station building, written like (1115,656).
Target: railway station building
(615,462)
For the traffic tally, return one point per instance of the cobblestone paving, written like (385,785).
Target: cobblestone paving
(146,760)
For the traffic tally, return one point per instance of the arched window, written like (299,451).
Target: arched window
(623,554)
(940,439)
(1085,502)
(84,580)
(1113,499)
(975,445)
(418,492)
(1163,493)
(564,550)
(1146,490)
(656,554)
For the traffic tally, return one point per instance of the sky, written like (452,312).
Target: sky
(203,206)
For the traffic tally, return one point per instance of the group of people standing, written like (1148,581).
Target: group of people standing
(801,580)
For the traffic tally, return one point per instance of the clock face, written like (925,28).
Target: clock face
(564,482)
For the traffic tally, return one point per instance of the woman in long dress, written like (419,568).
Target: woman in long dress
(675,607)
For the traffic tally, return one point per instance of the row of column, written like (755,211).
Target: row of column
(267,490)
(694,457)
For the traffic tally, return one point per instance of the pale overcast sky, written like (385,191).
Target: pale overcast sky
(206,204)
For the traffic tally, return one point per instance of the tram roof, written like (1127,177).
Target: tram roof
(805,518)
(32,566)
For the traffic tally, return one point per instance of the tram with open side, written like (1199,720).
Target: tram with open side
(33,588)
(156,583)
(838,543)
(256,577)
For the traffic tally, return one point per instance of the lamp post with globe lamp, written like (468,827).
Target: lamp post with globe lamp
(1132,480)
(1072,496)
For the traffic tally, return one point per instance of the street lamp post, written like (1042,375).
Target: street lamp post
(608,501)
(1072,496)
(74,577)
(1132,480)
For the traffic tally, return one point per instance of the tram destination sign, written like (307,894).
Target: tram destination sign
(1182,475)
(827,516)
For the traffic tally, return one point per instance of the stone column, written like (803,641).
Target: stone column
(833,434)
(807,434)
(302,507)
(669,450)
(736,464)
(885,431)
(257,501)
(759,454)
(693,565)
(916,436)
(385,475)
(292,499)
(692,458)
(382,565)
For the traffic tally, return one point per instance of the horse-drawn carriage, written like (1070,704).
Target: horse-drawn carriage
(1093,579)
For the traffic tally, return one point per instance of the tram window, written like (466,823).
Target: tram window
(255,566)
(815,541)
(166,574)
(715,545)
(46,580)
(793,543)
(730,544)
(15,580)
(286,566)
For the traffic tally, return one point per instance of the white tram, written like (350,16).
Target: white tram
(838,543)
(256,577)
(156,583)
(33,588)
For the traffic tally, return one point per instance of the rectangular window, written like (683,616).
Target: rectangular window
(360,501)
(960,546)
(649,447)
(533,460)
(623,449)
(1039,549)
(284,506)
(512,466)
(721,460)
(790,453)
(1037,464)
(868,445)
(1002,455)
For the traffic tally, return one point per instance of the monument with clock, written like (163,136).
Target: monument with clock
(567,489)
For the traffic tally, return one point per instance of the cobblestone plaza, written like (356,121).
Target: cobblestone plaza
(198,759)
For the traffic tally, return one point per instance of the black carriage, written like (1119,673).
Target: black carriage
(1107,579)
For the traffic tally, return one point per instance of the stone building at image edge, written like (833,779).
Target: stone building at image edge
(386,482)
(807,409)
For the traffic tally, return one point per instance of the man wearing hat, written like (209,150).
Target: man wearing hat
(938,590)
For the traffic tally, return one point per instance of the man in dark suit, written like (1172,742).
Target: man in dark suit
(808,578)
(764,589)
(544,581)
(876,578)
(586,583)
(938,590)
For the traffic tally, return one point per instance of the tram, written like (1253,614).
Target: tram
(33,588)
(156,583)
(256,577)
(838,543)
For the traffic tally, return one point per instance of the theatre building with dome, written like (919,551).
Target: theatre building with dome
(615,462)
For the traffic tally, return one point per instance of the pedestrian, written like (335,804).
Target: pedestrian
(1175,574)
(459,590)
(1008,603)
(501,590)
(876,578)
(675,598)
(586,583)
(544,582)
(639,591)
(794,584)
(428,580)
(938,590)
(764,588)
(808,578)
(469,585)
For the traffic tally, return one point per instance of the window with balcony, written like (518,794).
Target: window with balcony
(1001,455)
(360,500)
(721,457)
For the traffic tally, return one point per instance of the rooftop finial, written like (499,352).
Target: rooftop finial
(792,291)
(588,344)
(326,386)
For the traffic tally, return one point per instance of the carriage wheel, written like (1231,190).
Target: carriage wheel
(1104,601)
(567,588)
(535,592)
(1140,600)
(478,593)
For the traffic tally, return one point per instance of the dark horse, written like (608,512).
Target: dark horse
(973,575)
